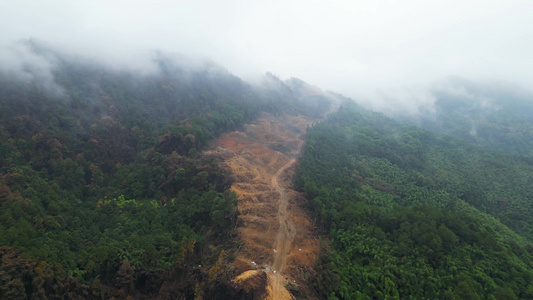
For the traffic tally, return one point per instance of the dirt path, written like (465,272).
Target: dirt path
(286,233)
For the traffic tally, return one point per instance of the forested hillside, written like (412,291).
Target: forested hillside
(412,213)
(104,190)
(492,115)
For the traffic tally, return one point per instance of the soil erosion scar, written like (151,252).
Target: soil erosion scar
(261,158)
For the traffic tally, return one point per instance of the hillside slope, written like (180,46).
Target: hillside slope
(416,214)
(494,116)
(105,188)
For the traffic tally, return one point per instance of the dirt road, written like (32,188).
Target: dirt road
(286,233)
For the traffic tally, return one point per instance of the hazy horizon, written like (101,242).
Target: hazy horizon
(384,54)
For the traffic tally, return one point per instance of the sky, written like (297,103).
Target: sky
(381,52)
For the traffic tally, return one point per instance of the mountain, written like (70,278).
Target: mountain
(182,180)
(105,188)
(497,116)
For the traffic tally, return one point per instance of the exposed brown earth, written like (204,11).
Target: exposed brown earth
(276,233)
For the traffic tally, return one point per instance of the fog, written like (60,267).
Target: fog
(389,55)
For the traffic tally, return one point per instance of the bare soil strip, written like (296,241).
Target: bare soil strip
(275,232)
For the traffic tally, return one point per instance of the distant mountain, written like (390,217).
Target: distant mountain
(496,116)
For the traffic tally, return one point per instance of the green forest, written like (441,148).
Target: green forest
(415,214)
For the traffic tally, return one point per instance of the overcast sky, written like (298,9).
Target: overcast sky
(371,49)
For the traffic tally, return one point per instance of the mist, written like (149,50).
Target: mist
(387,55)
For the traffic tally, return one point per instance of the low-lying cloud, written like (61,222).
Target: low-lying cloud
(386,54)
(18,60)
